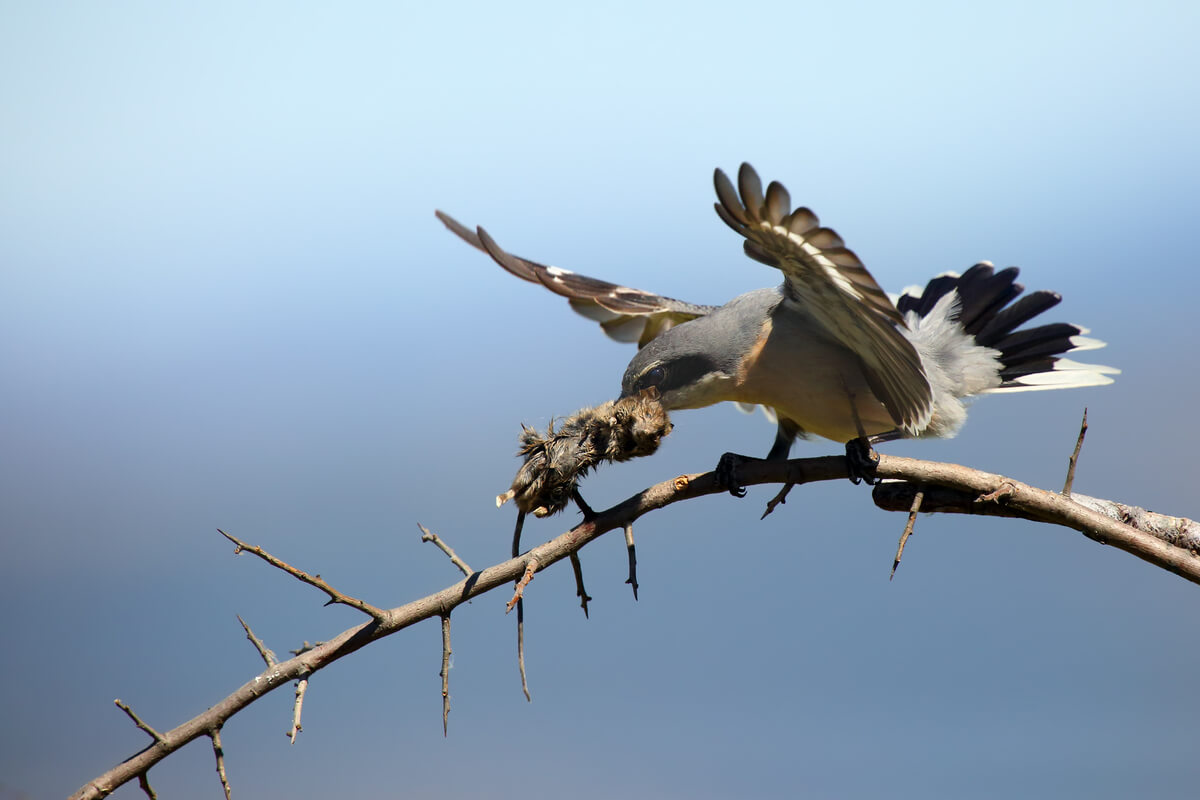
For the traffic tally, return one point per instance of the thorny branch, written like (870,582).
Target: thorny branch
(580,592)
(631,549)
(297,709)
(312,580)
(155,735)
(445,673)
(267,654)
(1074,459)
(918,497)
(219,752)
(530,568)
(428,536)
(1167,542)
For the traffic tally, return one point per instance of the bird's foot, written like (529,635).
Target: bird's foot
(727,473)
(862,460)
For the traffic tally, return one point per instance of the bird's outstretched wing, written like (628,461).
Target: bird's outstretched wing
(830,283)
(625,314)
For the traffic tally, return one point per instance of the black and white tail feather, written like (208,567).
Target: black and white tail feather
(966,330)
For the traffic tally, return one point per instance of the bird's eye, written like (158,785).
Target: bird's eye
(653,377)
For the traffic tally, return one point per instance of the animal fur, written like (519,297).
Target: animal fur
(554,462)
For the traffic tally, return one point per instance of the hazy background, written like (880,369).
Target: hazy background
(225,301)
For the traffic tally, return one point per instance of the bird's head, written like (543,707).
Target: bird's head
(685,365)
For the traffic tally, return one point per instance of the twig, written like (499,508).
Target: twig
(777,500)
(1000,495)
(446,675)
(531,567)
(378,614)
(158,737)
(632,550)
(267,654)
(144,783)
(297,708)
(219,752)
(580,592)
(1066,492)
(426,536)
(1027,502)
(908,529)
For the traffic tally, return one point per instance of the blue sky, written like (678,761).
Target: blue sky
(225,302)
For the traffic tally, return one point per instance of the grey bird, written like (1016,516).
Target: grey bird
(828,352)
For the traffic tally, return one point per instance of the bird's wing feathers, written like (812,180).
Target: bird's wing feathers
(833,286)
(624,314)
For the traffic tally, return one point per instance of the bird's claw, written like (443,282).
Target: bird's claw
(727,474)
(862,460)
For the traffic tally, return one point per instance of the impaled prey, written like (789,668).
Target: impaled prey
(555,461)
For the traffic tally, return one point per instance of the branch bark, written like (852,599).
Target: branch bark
(947,487)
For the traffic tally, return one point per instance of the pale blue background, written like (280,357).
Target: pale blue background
(225,301)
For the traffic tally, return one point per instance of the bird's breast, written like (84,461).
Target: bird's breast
(810,379)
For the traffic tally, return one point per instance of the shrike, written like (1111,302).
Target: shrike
(828,352)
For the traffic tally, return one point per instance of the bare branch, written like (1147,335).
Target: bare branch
(304,647)
(580,592)
(629,548)
(335,596)
(219,752)
(158,737)
(908,529)
(267,654)
(144,783)
(1018,500)
(426,536)
(976,492)
(446,675)
(1177,531)
(777,500)
(1066,492)
(297,708)
(531,567)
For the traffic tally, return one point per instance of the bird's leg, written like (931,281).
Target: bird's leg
(863,459)
(727,467)
(860,458)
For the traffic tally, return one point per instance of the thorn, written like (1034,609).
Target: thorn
(580,592)
(918,498)
(777,500)
(1066,491)
(632,550)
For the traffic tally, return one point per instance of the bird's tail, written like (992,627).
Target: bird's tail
(990,311)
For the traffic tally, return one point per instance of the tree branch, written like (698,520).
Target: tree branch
(1176,549)
(312,580)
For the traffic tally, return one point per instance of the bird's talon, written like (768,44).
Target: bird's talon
(727,474)
(862,461)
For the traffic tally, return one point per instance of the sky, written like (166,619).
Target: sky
(225,302)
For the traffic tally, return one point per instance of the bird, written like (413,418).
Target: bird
(827,352)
